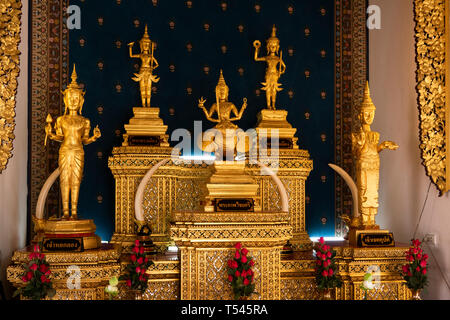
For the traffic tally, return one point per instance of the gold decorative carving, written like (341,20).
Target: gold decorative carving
(432,55)
(10,13)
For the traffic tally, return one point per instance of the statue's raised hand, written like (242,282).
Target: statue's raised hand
(201,102)
(257,44)
(97,133)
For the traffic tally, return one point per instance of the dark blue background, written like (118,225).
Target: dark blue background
(206,50)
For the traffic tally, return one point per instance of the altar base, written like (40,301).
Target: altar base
(61,233)
(146,128)
(96,267)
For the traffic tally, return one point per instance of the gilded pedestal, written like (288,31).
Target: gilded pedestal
(96,267)
(206,242)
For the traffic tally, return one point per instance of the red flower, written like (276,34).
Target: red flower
(36,248)
(424,271)
(423,263)
(140,260)
(405,268)
(330,272)
(325,273)
(418,269)
(319,255)
(32,255)
(136,243)
(244,252)
(243,274)
(244,259)
(246,282)
(409,258)
(43,268)
(326,263)
(29,275)
(41,256)
(318,262)
(43,279)
(25,279)
(416,242)
(230,263)
(129,283)
(48,273)
(321,240)
(141,250)
(34,267)
(143,271)
(138,270)
(133,257)
(326,248)
(249,272)
(329,254)
(252,263)
(425,256)
(235,264)
(141,278)
(237,273)
(238,245)
(237,255)
(230,278)
(136,249)
(146,260)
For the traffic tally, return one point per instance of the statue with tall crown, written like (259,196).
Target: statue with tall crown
(146,128)
(366,149)
(72,130)
(275,67)
(145,76)
(272,122)
(229,185)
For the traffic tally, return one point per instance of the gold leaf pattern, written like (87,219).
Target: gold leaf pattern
(10,13)
(431,70)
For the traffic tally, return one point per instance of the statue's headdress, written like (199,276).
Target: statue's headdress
(221,83)
(367,102)
(273,38)
(145,38)
(73,86)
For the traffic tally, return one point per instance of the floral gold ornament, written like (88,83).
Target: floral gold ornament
(275,67)
(307,31)
(10,15)
(145,76)
(433,87)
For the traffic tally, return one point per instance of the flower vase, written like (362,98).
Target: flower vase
(326,294)
(416,295)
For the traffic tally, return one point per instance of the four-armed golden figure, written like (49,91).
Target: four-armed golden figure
(73,131)
(223,107)
(145,76)
(275,67)
(366,151)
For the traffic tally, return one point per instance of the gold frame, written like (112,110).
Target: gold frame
(432,55)
(9,71)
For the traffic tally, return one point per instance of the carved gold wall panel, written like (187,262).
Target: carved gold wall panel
(10,13)
(432,55)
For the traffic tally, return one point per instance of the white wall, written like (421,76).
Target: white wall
(403,182)
(13,180)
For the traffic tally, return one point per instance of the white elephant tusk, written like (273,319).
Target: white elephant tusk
(351,184)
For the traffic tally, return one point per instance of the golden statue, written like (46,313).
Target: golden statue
(223,107)
(275,67)
(366,151)
(72,130)
(145,76)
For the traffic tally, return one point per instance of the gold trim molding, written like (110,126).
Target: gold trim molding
(432,55)
(10,13)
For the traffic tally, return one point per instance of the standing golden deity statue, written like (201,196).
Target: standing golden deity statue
(145,76)
(72,130)
(366,149)
(275,67)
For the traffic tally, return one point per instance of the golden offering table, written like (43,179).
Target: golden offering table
(93,267)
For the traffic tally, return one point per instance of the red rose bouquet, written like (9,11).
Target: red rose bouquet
(240,273)
(36,277)
(415,270)
(136,277)
(325,269)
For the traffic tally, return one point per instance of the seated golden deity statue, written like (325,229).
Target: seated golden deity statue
(366,149)
(145,76)
(275,67)
(224,110)
(72,130)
